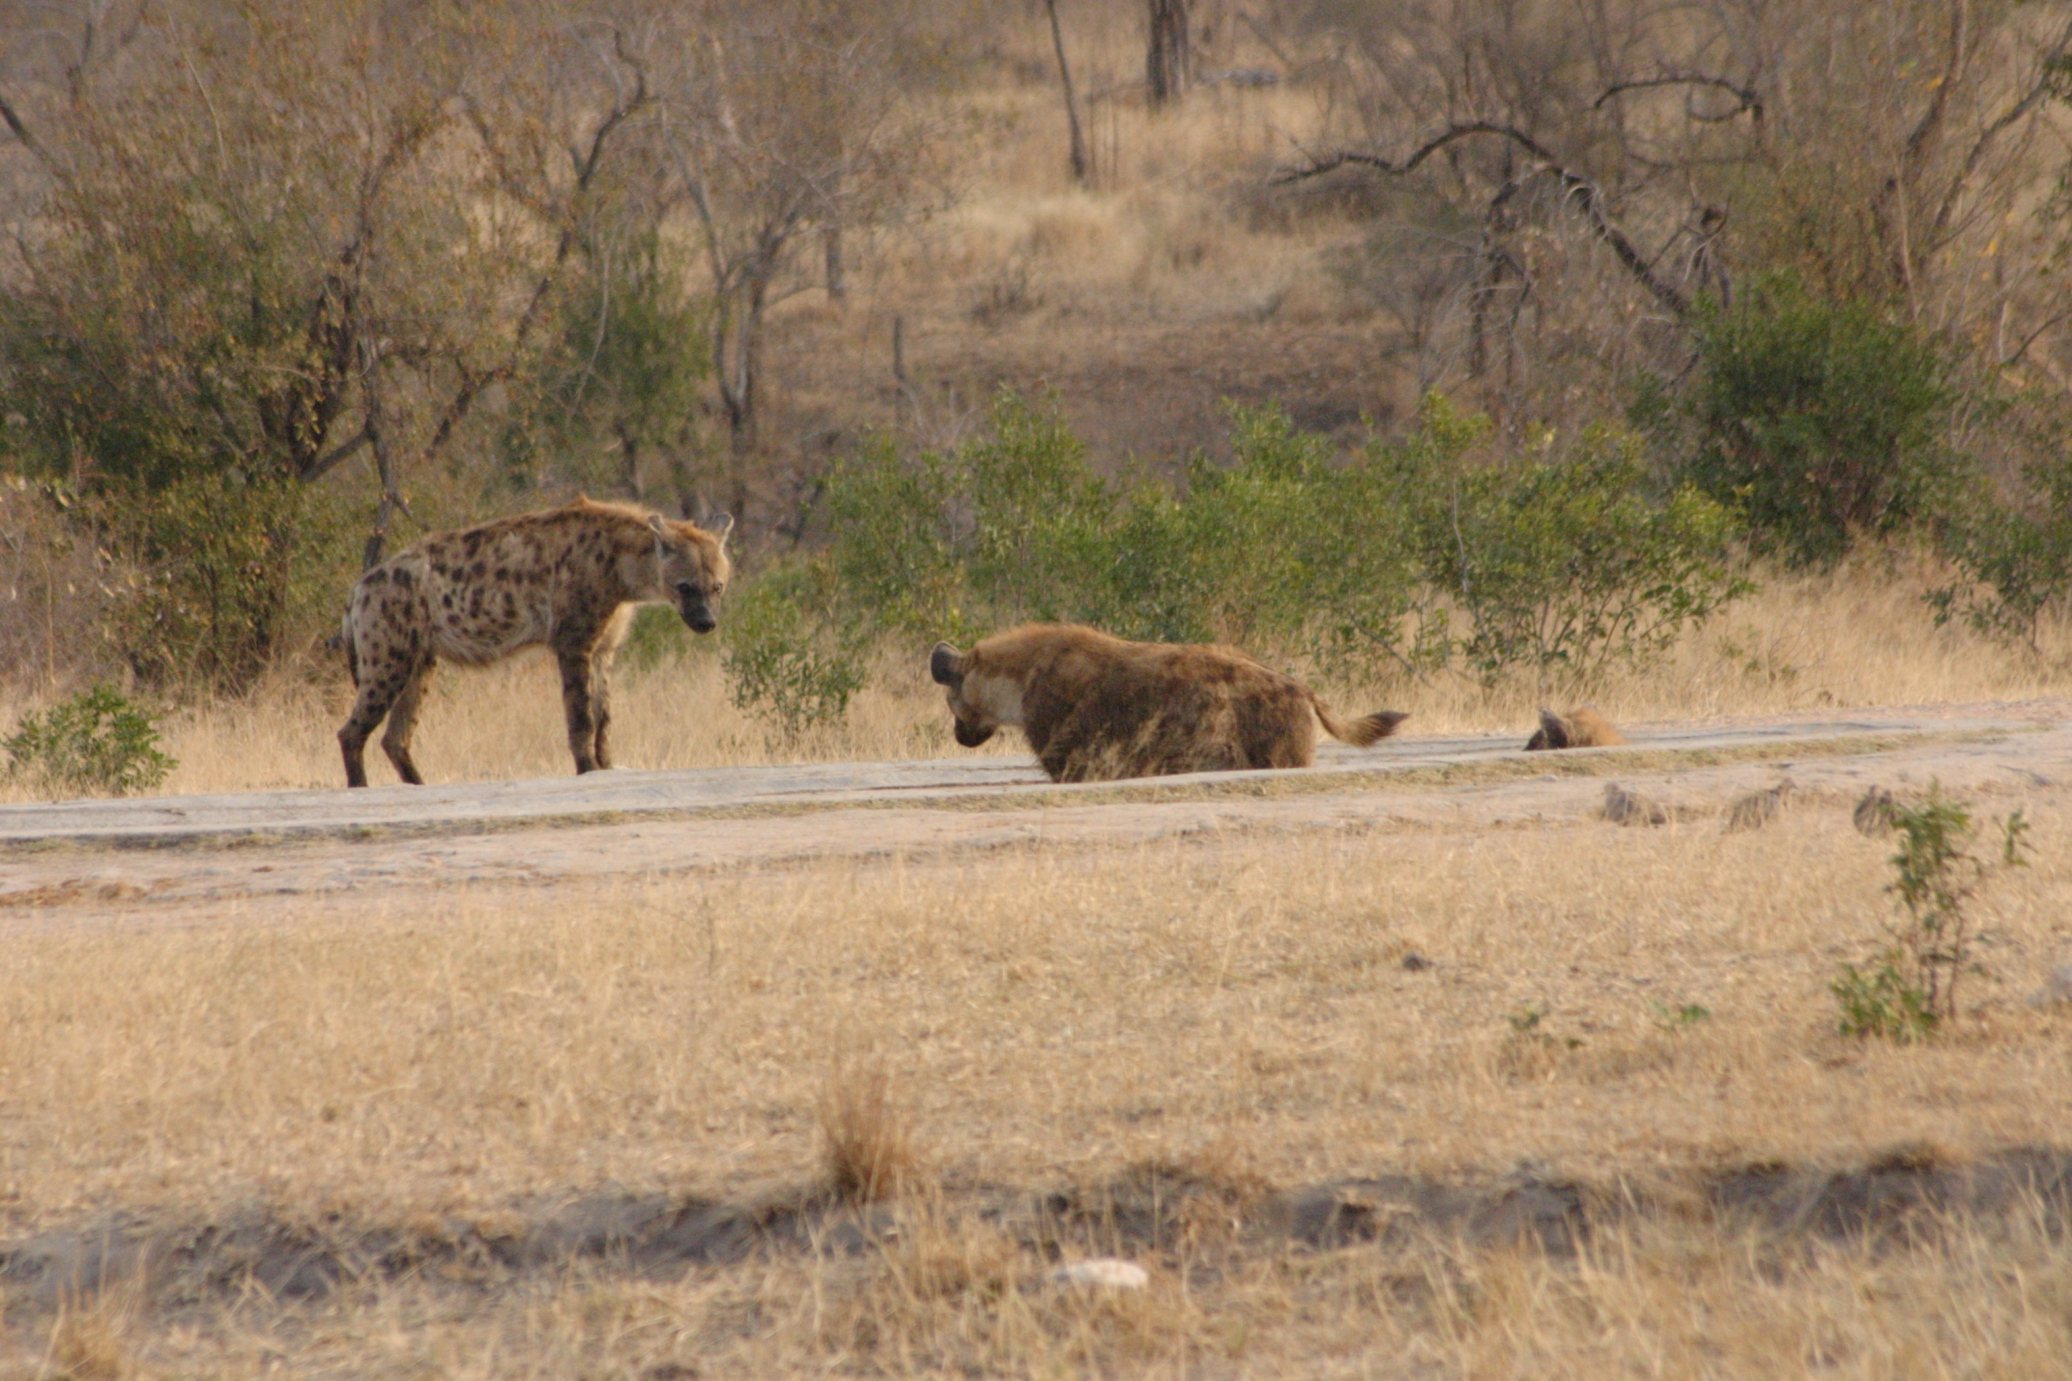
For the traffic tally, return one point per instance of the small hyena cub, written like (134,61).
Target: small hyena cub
(566,577)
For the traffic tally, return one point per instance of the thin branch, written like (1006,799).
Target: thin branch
(1580,191)
(338,454)
(21,132)
(1925,129)
(1386,646)
(2046,72)
(1751,101)
(2015,358)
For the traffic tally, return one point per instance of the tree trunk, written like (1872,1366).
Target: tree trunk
(1168,56)
(837,277)
(1080,168)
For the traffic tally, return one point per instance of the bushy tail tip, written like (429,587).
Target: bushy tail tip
(1369,729)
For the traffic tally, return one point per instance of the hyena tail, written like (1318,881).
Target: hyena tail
(1362,732)
(346,640)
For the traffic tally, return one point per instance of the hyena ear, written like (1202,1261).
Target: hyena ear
(719,525)
(659,524)
(1553,732)
(946,665)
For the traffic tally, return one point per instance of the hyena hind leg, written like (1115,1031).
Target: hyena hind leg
(402,723)
(377,694)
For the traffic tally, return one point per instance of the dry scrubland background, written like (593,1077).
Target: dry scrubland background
(278,283)
(286,291)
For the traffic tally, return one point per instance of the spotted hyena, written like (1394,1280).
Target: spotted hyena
(567,577)
(1095,708)
(1581,727)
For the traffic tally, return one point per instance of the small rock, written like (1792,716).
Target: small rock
(1107,1272)
(1873,814)
(1416,962)
(1758,808)
(1623,807)
(2057,992)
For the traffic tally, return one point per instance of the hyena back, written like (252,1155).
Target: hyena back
(565,577)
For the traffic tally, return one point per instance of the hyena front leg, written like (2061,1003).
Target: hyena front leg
(579,698)
(403,722)
(601,705)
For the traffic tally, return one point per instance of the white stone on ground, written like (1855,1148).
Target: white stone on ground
(1111,1272)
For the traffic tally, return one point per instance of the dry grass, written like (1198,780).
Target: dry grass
(1803,643)
(420,1061)
(866,1137)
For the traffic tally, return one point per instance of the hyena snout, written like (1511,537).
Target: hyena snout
(946,669)
(696,608)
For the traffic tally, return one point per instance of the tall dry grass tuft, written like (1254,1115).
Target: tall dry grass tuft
(866,1132)
(90,1338)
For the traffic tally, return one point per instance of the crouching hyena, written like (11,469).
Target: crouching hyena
(1095,708)
(567,577)
(1581,727)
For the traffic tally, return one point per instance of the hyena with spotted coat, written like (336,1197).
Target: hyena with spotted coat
(565,577)
(1096,708)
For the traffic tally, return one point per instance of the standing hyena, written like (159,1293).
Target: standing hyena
(566,577)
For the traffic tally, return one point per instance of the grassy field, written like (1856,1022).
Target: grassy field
(1221,1021)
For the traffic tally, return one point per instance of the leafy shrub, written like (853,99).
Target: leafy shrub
(2016,560)
(791,655)
(1561,560)
(95,741)
(235,570)
(1817,418)
(617,376)
(1909,992)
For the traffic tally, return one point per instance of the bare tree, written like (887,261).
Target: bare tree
(1653,151)
(779,124)
(257,242)
(1168,52)
(1082,168)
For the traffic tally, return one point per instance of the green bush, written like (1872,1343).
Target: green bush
(95,741)
(1290,550)
(1909,992)
(1818,419)
(1560,561)
(2016,560)
(793,655)
(235,572)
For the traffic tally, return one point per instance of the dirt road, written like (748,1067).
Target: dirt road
(133,861)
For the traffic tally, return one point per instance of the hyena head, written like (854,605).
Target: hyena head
(691,567)
(983,698)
